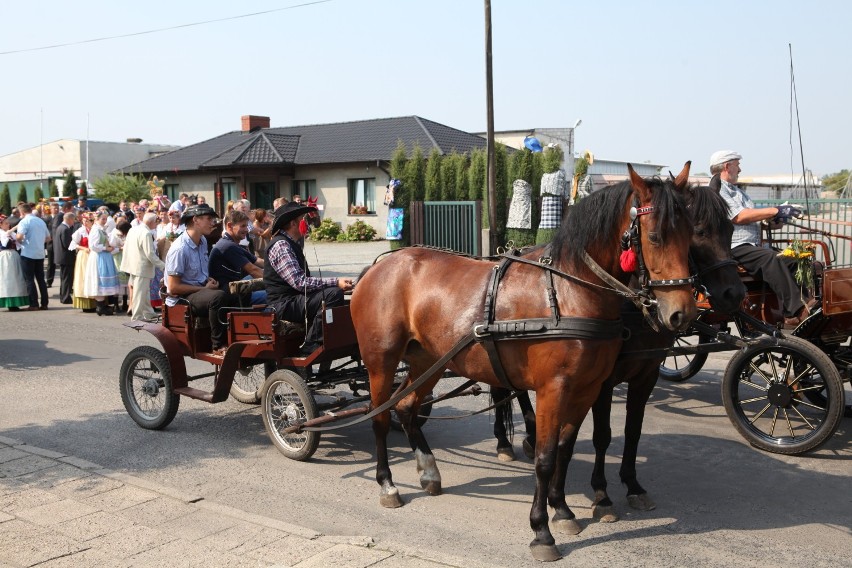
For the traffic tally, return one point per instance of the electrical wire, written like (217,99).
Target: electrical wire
(106,38)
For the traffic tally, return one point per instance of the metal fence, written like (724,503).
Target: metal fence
(455,225)
(833,216)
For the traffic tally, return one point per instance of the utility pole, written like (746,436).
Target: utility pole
(489,105)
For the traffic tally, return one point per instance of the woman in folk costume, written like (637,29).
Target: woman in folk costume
(116,240)
(80,243)
(101,275)
(13,287)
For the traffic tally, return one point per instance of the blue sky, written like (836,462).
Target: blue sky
(664,81)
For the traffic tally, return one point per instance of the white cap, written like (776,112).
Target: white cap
(722,156)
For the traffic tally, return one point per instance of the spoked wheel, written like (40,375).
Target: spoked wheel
(678,368)
(286,401)
(786,398)
(145,383)
(248,382)
(425,411)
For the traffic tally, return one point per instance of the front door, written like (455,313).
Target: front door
(262,194)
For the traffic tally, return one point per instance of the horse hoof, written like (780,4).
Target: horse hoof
(567,526)
(641,502)
(431,487)
(391,500)
(545,552)
(529,448)
(506,454)
(604,513)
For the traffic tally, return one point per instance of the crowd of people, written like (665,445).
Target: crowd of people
(115,262)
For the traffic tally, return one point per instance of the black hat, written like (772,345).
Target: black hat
(287,213)
(197,211)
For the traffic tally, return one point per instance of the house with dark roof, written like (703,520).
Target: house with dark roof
(343,164)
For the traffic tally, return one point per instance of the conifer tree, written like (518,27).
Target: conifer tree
(22,194)
(52,190)
(70,187)
(433,176)
(5,200)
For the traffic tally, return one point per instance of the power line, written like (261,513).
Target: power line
(163,29)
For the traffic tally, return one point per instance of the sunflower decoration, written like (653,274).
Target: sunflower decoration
(803,254)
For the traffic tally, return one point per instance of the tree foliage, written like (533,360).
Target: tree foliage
(38,195)
(433,176)
(402,197)
(448,177)
(52,190)
(5,200)
(835,182)
(22,194)
(121,187)
(70,187)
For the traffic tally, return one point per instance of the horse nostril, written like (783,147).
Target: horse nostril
(676,320)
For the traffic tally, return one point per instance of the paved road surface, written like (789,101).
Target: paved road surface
(720,502)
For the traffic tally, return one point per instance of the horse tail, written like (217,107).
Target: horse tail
(503,413)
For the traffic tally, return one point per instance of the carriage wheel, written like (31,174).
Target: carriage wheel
(425,411)
(287,401)
(248,382)
(767,395)
(145,383)
(678,368)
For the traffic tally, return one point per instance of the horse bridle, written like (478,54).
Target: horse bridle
(631,239)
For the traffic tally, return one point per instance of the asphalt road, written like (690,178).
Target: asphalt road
(719,501)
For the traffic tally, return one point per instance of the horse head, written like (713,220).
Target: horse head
(661,232)
(710,251)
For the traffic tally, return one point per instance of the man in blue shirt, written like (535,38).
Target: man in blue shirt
(33,234)
(230,262)
(187,276)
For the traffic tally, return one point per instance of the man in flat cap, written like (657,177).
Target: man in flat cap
(745,244)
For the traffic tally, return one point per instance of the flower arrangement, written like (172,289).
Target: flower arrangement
(803,254)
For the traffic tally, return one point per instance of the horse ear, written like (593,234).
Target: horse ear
(683,177)
(639,185)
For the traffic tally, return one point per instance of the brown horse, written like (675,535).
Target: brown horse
(431,301)
(717,278)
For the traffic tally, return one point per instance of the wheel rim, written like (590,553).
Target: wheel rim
(147,388)
(250,379)
(774,398)
(678,362)
(285,409)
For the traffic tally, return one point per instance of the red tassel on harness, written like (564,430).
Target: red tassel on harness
(628,261)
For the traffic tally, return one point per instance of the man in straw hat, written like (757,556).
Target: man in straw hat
(187,276)
(746,246)
(291,290)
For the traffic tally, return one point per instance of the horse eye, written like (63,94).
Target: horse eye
(700,232)
(654,238)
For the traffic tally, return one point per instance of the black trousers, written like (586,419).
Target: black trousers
(775,271)
(51,268)
(207,303)
(34,275)
(66,280)
(294,309)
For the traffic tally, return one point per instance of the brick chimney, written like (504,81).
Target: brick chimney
(252,122)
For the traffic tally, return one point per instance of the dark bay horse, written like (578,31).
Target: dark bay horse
(417,304)
(710,252)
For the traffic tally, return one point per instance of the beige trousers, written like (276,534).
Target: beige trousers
(140,300)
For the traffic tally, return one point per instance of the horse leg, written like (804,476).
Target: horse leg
(549,415)
(638,392)
(503,425)
(564,521)
(528,413)
(602,509)
(407,411)
(381,383)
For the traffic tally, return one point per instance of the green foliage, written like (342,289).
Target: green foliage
(501,190)
(581,166)
(460,166)
(115,188)
(544,236)
(402,197)
(521,165)
(359,231)
(448,177)
(5,200)
(433,176)
(552,159)
(38,195)
(398,160)
(52,190)
(476,179)
(327,231)
(415,174)
(22,194)
(70,187)
(835,182)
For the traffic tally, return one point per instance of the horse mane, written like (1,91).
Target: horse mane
(706,206)
(592,222)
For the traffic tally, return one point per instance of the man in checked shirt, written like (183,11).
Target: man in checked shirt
(295,295)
